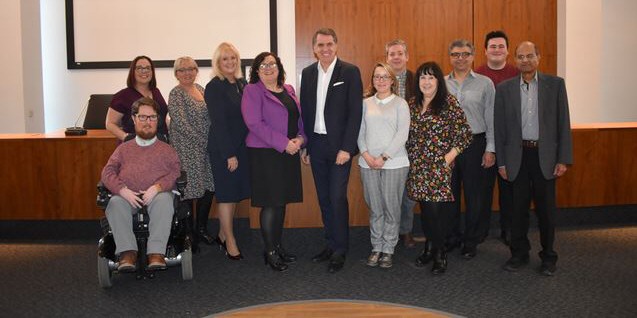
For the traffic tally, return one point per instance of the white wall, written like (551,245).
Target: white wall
(11,96)
(619,48)
(594,50)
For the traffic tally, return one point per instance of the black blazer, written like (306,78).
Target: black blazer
(227,129)
(343,106)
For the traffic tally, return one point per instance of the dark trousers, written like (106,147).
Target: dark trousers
(435,219)
(504,200)
(468,174)
(331,188)
(530,183)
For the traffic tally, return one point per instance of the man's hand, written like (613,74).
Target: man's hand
(305,157)
(131,197)
(503,173)
(560,170)
(150,194)
(488,159)
(342,157)
(233,164)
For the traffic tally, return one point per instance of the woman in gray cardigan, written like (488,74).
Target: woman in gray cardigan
(383,161)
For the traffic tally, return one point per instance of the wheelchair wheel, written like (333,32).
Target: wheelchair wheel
(103,272)
(186,264)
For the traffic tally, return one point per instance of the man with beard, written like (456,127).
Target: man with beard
(141,172)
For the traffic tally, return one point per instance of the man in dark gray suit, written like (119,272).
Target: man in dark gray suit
(332,108)
(533,146)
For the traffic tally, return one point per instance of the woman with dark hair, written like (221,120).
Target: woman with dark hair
(438,133)
(272,113)
(383,161)
(226,141)
(189,127)
(140,83)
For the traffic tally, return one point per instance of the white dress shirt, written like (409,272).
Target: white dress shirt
(323,83)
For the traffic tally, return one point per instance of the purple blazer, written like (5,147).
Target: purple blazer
(267,118)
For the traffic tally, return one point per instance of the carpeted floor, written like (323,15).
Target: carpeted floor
(596,277)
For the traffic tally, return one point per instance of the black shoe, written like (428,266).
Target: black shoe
(284,255)
(440,262)
(515,263)
(548,269)
(468,252)
(323,256)
(203,236)
(336,263)
(222,244)
(426,256)
(272,258)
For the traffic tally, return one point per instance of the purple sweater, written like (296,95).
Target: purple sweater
(138,167)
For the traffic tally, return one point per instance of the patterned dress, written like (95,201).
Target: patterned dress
(430,138)
(189,124)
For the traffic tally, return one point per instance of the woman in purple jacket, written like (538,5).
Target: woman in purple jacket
(272,114)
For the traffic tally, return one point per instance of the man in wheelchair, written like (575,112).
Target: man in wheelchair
(141,172)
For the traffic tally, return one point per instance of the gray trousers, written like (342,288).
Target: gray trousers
(120,217)
(383,191)
(406,214)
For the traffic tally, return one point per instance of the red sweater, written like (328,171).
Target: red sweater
(138,167)
(498,76)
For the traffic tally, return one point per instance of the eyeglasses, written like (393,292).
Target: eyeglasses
(526,57)
(186,69)
(381,78)
(147,117)
(267,66)
(143,69)
(457,55)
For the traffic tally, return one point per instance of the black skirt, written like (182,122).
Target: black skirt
(275,176)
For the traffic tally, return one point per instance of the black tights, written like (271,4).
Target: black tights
(435,220)
(272,226)
(203,209)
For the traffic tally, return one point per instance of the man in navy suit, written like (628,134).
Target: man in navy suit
(331,103)
(534,147)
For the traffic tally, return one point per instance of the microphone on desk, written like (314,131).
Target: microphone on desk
(75,130)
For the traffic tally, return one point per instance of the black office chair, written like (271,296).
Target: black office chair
(96,111)
(178,249)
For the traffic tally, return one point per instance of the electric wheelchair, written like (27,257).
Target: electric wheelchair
(178,250)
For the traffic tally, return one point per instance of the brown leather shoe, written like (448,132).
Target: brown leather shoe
(408,240)
(127,261)
(156,261)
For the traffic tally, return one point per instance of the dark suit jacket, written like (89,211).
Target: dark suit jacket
(554,143)
(227,129)
(343,105)
(410,85)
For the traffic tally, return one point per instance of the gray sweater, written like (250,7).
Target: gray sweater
(384,129)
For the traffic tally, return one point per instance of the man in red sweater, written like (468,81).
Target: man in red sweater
(141,172)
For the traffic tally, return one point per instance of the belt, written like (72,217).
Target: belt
(479,135)
(529,143)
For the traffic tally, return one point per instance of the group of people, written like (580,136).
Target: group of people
(422,137)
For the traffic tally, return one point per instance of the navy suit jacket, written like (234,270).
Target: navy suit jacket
(554,142)
(343,106)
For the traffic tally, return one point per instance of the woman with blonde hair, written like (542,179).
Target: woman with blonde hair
(383,161)
(226,141)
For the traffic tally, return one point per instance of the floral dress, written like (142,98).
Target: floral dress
(189,124)
(430,138)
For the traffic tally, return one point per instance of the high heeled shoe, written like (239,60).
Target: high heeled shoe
(272,258)
(224,248)
(284,255)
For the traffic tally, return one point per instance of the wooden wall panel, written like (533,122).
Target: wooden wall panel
(522,20)
(363,27)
